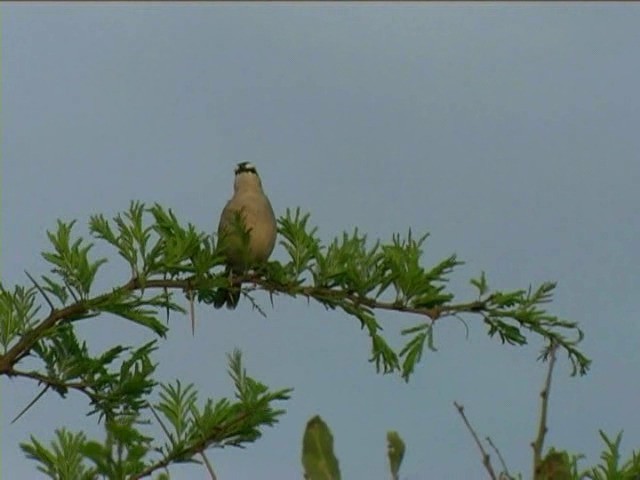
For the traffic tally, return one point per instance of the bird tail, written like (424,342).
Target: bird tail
(227,296)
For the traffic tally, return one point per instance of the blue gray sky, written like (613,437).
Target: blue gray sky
(507,131)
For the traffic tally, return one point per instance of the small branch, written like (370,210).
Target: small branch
(505,470)
(255,305)
(207,464)
(55,384)
(41,290)
(160,422)
(31,337)
(486,459)
(538,443)
(66,283)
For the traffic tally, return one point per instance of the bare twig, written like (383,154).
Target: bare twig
(75,297)
(505,470)
(254,304)
(160,422)
(466,327)
(538,443)
(207,464)
(56,384)
(41,290)
(486,459)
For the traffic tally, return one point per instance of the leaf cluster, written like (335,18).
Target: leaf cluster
(561,465)
(128,453)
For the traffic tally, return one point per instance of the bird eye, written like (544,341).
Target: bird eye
(245,167)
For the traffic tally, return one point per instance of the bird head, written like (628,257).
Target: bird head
(246,177)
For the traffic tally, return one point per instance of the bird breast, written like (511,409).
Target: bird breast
(260,222)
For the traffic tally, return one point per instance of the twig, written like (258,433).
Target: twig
(486,459)
(66,283)
(505,470)
(466,327)
(254,304)
(160,422)
(538,443)
(207,464)
(57,385)
(41,290)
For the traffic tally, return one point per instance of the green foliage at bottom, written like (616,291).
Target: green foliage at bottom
(395,451)
(128,452)
(319,460)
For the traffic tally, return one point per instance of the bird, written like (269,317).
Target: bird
(247,229)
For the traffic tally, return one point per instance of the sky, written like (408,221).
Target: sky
(509,132)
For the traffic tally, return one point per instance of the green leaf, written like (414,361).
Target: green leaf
(136,311)
(64,459)
(318,459)
(17,313)
(480,284)
(395,452)
(175,404)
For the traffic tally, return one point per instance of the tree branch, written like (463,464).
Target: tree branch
(83,307)
(54,383)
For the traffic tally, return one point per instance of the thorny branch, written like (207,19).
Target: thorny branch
(24,345)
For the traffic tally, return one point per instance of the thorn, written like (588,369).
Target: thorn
(192,314)
(31,403)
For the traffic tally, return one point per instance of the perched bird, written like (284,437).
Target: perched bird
(247,229)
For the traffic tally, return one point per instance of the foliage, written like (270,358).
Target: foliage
(318,459)
(128,453)
(611,469)
(395,452)
(169,261)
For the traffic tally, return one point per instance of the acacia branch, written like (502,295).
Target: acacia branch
(83,308)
